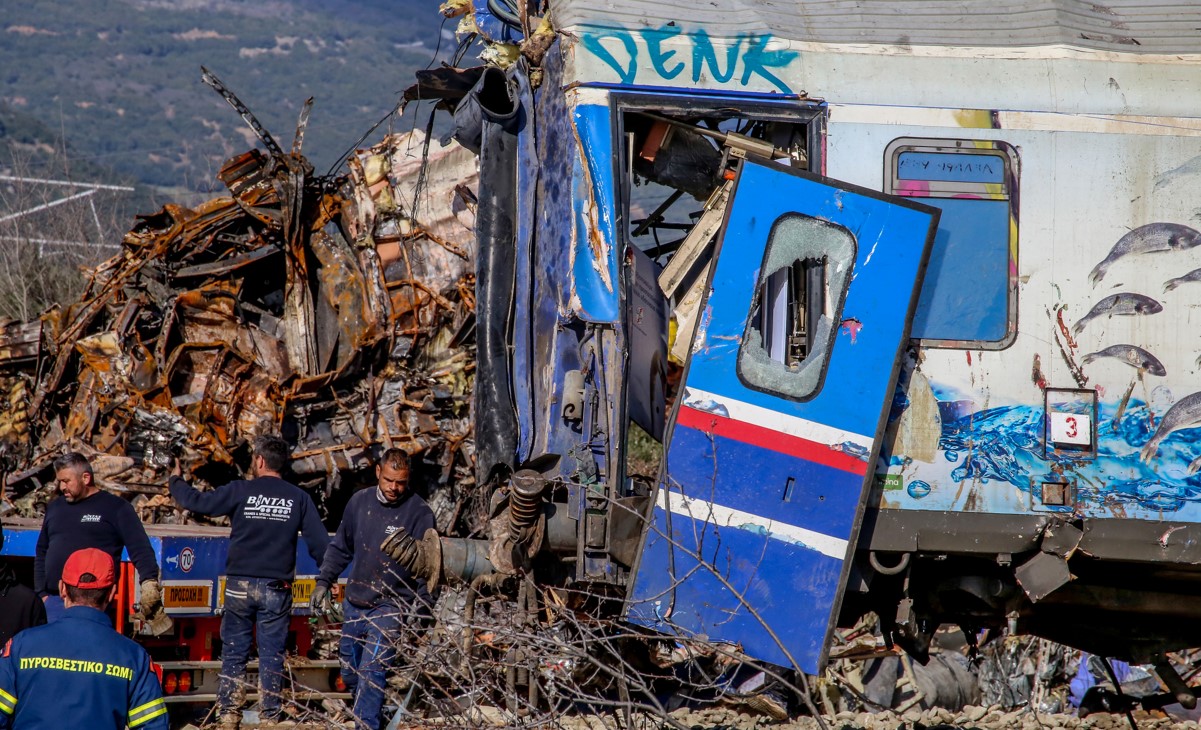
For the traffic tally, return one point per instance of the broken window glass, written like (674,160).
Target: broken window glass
(790,330)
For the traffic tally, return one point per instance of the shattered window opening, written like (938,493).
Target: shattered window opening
(790,331)
(676,173)
(794,297)
(668,169)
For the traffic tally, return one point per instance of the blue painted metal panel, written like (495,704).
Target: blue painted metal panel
(755,523)
(791,581)
(594,268)
(555,332)
(22,542)
(833,510)
(890,256)
(19,542)
(491,26)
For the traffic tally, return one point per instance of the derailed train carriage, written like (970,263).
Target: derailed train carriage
(786,315)
(900,292)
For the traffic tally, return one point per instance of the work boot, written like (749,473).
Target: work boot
(230,721)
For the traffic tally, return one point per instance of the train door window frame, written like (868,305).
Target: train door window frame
(808,118)
(963,182)
(805,275)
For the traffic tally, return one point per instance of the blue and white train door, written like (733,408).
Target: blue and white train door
(788,385)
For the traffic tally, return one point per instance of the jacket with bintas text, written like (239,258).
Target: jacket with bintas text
(78,672)
(265,516)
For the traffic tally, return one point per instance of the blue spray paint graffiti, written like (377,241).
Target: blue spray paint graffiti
(1005,445)
(745,56)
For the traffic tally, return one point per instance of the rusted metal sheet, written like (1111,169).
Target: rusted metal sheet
(20,342)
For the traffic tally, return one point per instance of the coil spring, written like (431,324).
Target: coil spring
(525,501)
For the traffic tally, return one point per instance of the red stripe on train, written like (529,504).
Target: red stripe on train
(749,433)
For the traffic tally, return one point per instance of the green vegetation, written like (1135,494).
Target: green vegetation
(120,79)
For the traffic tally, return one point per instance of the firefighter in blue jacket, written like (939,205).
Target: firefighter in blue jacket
(77,671)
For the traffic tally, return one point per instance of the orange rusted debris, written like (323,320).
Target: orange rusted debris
(329,309)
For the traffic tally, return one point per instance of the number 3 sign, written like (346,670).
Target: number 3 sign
(1071,429)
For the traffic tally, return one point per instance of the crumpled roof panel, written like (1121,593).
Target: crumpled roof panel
(1129,26)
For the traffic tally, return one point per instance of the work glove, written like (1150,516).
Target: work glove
(321,603)
(151,609)
(151,598)
(405,550)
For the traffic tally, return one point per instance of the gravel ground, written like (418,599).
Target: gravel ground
(970,718)
(983,718)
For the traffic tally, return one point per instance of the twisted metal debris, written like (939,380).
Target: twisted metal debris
(339,311)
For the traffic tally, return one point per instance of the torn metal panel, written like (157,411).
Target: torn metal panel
(224,266)
(697,249)
(557,335)
(1048,570)
(300,320)
(528,166)
(418,210)
(345,291)
(1042,575)
(594,269)
(1061,539)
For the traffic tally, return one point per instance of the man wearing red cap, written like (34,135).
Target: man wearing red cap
(77,671)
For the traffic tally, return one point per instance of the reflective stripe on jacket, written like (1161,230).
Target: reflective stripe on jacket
(78,672)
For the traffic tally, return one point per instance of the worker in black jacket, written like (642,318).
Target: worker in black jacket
(20,607)
(381,595)
(87,516)
(265,515)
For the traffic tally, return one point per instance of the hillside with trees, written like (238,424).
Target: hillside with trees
(117,82)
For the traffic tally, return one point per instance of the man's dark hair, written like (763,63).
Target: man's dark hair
(395,458)
(95,597)
(274,450)
(73,460)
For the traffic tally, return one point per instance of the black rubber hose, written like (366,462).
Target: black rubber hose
(495,229)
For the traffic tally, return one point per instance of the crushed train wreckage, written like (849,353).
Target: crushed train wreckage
(340,311)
